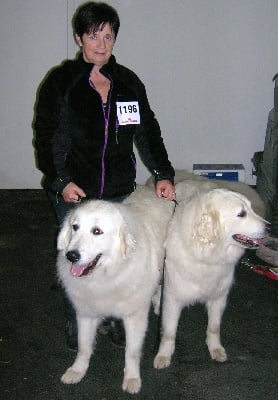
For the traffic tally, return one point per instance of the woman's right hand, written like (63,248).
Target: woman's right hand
(72,193)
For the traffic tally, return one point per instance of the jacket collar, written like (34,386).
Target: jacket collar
(106,69)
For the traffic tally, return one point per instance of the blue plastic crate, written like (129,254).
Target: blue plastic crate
(229,172)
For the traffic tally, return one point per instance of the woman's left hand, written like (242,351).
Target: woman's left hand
(165,189)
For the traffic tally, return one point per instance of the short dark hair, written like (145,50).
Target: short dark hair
(91,16)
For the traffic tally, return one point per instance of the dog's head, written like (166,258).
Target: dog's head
(94,234)
(228,216)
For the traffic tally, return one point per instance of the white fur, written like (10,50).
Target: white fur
(240,187)
(201,256)
(125,278)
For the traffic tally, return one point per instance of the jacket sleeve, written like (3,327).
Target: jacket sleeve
(51,148)
(149,141)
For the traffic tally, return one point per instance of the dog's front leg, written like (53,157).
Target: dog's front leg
(215,311)
(135,328)
(170,318)
(86,336)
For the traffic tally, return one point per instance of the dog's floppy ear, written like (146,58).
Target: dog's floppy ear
(64,235)
(127,241)
(207,229)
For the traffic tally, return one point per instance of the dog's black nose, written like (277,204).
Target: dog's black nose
(73,256)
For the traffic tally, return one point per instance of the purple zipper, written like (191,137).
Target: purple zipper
(106,119)
(106,122)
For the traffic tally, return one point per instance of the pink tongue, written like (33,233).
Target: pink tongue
(77,270)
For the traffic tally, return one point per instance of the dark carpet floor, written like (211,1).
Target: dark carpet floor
(33,352)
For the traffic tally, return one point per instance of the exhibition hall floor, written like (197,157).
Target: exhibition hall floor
(34,354)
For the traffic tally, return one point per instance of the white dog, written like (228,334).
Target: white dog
(109,261)
(207,236)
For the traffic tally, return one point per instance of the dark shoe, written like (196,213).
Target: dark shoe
(105,326)
(71,335)
(117,332)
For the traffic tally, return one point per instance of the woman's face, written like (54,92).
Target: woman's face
(97,46)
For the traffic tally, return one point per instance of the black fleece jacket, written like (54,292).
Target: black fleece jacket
(78,140)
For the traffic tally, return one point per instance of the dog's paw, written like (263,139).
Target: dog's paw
(131,385)
(219,354)
(161,362)
(71,376)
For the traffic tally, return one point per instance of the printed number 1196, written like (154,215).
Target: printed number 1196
(132,108)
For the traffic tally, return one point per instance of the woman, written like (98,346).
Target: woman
(89,113)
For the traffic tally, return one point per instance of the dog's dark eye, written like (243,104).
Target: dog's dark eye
(242,214)
(97,231)
(75,227)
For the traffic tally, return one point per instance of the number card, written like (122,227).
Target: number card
(128,112)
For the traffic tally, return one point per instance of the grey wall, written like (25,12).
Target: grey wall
(207,66)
